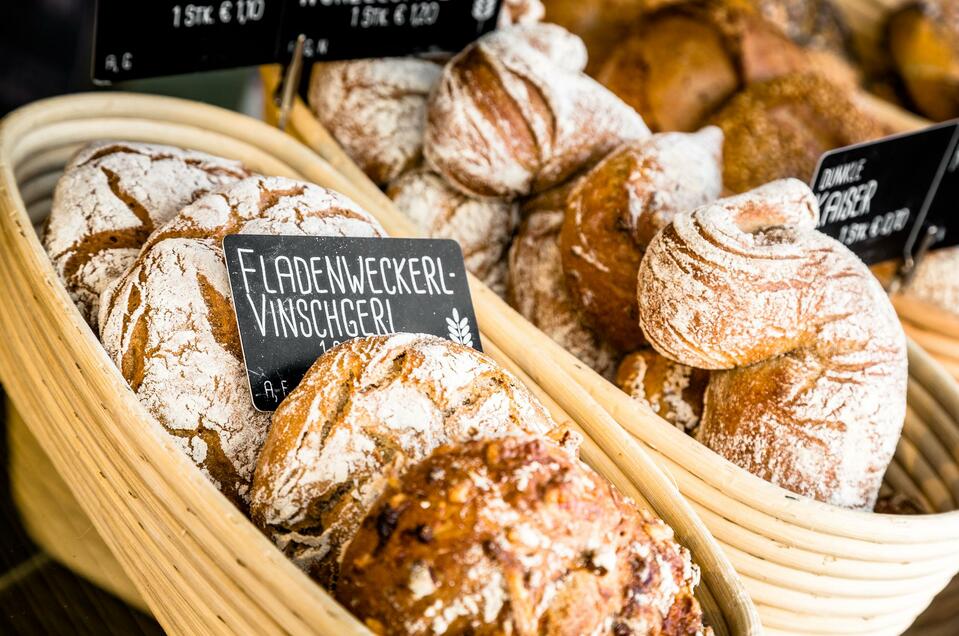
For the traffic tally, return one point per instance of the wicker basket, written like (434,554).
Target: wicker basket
(198,564)
(811,568)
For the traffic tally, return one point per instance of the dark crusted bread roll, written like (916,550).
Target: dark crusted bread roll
(618,207)
(365,411)
(111,196)
(515,536)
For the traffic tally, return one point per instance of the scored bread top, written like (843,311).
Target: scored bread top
(112,195)
(365,411)
(169,324)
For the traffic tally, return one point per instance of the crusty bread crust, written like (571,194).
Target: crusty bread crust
(364,412)
(112,195)
(169,324)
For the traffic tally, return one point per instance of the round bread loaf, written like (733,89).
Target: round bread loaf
(169,324)
(538,291)
(810,391)
(673,391)
(376,109)
(788,122)
(111,196)
(923,41)
(617,208)
(515,536)
(508,118)
(482,227)
(364,412)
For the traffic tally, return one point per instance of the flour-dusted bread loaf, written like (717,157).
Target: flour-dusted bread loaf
(112,195)
(482,227)
(169,324)
(674,391)
(515,536)
(364,412)
(509,117)
(538,291)
(376,109)
(809,383)
(618,207)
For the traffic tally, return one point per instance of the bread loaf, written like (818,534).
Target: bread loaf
(169,325)
(923,41)
(520,12)
(514,536)
(112,195)
(376,110)
(789,122)
(674,391)
(366,411)
(617,208)
(810,387)
(507,119)
(538,291)
(482,227)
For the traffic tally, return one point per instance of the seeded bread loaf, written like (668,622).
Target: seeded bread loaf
(112,195)
(169,324)
(366,411)
(515,536)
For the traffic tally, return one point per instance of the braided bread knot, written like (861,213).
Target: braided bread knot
(810,359)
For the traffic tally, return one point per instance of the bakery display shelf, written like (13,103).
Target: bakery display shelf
(193,559)
(810,567)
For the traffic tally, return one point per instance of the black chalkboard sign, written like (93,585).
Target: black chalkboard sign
(944,210)
(164,37)
(873,197)
(298,296)
(345,30)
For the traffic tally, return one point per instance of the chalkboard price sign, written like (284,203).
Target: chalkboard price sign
(164,37)
(298,296)
(874,197)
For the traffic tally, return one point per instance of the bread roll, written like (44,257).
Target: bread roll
(538,291)
(169,325)
(679,64)
(482,227)
(520,12)
(617,208)
(810,391)
(780,128)
(514,536)
(376,109)
(936,280)
(364,412)
(673,391)
(507,120)
(111,196)
(924,46)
